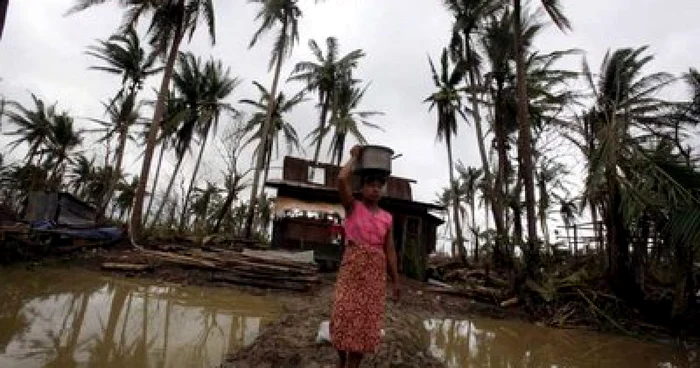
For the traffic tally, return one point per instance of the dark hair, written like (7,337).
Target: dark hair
(372,177)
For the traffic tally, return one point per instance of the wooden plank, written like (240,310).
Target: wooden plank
(129,267)
(271,284)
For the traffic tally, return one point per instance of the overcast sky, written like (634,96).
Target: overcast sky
(42,51)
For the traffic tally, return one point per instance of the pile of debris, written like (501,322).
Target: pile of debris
(451,276)
(248,268)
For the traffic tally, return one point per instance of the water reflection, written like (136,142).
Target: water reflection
(495,343)
(59,318)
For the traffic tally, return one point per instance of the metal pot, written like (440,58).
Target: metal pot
(375,158)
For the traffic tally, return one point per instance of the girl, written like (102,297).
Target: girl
(358,310)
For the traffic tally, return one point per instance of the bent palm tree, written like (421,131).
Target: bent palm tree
(447,101)
(171,21)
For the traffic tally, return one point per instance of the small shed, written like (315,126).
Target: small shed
(308,206)
(61,208)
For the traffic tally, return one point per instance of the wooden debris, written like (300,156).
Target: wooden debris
(128,267)
(233,267)
(257,282)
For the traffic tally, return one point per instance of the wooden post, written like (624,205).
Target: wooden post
(575,239)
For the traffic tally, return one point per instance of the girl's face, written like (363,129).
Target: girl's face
(372,189)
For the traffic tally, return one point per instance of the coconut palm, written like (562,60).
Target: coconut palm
(447,102)
(175,113)
(470,19)
(625,100)
(469,187)
(204,89)
(284,14)
(324,76)
(553,8)
(125,199)
(123,115)
(280,124)
(346,120)
(123,55)
(80,171)
(63,140)
(174,135)
(33,127)
(171,21)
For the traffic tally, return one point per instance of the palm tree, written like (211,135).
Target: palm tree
(346,119)
(81,169)
(625,100)
(175,113)
(470,19)
(204,198)
(280,124)
(171,21)
(204,88)
(123,55)
(470,181)
(553,8)
(34,127)
(324,77)
(272,13)
(125,198)
(447,100)
(62,141)
(123,113)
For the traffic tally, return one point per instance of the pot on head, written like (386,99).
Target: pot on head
(374,159)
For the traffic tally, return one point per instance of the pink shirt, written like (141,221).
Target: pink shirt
(364,227)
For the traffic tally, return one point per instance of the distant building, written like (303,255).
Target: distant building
(308,206)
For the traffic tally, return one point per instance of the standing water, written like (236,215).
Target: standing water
(70,318)
(485,342)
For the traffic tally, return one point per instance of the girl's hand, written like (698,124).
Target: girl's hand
(356,151)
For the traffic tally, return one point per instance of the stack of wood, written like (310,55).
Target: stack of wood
(477,284)
(237,268)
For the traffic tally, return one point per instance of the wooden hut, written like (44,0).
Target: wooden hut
(308,205)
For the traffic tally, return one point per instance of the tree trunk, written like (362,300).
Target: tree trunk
(499,191)
(117,169)
(185,203)
(264,136)
(3,14)
(223,211)
(268,161)
(166,196)
(525,146)
(475,232)
(455,202)
(154,187)
(619,273)
(321,127)
(159,110)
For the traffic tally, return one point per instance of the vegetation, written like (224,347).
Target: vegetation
(640,191)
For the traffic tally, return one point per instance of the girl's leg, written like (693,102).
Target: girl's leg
(342,359)
(354,360)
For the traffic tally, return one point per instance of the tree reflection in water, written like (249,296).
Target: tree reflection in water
(497,343)
(70,319)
